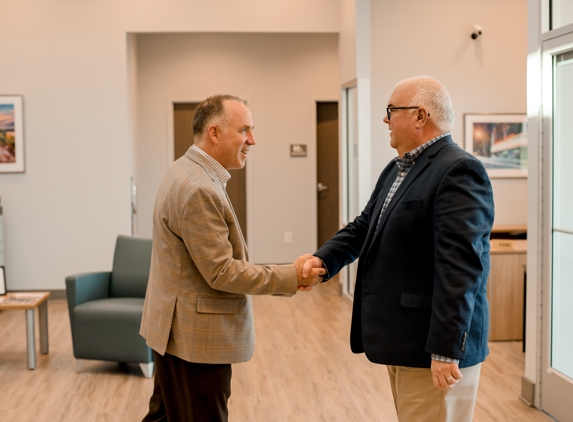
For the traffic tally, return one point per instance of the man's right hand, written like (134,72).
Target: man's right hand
(308,275)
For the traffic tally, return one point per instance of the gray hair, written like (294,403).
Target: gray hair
(434,97)
(210,109)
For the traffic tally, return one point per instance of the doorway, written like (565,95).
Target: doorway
(183,139)
(327,204)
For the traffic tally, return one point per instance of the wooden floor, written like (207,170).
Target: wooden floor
(302,370)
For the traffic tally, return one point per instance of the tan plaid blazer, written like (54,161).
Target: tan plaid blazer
(197,305)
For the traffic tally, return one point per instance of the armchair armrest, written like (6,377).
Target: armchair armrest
(82,288)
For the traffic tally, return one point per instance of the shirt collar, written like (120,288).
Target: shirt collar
(222,174)
(410,158)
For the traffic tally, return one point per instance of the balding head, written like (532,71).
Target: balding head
(430,94)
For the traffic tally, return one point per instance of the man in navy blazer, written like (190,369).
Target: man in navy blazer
(422,241)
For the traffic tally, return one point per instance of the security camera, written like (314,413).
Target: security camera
(477,32)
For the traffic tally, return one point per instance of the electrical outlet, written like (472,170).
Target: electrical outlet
(288,237)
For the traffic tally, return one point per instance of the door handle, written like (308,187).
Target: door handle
(320,187)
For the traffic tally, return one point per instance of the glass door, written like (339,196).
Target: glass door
(557,250)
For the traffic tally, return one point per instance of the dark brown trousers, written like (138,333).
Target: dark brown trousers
(189,392)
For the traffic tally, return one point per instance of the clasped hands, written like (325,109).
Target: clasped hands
(309,271)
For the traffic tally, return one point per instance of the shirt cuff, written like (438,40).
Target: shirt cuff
(445,359)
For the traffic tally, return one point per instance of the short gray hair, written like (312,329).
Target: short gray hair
(434,97)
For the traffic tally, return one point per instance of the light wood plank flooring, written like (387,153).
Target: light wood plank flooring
(302,370)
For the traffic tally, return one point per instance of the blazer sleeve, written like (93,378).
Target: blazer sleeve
(205,231)
(462,220)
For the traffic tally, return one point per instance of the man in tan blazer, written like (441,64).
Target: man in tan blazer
(198,315)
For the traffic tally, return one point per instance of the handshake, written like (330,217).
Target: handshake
(309,271)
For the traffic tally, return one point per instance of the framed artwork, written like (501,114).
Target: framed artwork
(11,134)
(499,141)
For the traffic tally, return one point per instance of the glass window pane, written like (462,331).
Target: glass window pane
(563,143)
(562,268)
(562,311)
(561,13)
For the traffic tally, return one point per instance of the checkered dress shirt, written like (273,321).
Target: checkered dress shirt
(404,165)
(222,173)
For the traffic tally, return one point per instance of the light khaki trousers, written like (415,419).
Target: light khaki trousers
(417,400)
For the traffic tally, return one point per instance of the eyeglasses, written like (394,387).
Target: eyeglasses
(389,110)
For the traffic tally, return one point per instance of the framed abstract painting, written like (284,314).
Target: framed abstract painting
(499,141)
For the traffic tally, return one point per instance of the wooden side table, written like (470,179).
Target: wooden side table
(29,301)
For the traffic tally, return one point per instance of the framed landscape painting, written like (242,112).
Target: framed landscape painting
(11,134)
(499,141)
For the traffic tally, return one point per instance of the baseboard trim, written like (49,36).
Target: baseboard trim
(527,392)
(59,294)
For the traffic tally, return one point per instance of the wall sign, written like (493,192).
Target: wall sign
(298,150)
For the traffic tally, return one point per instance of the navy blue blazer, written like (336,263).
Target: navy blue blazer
(422,275)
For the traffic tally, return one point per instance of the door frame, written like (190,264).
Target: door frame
(553,386)
(170,128)
(315,99)
(363,129)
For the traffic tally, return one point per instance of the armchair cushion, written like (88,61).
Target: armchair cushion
(108,329)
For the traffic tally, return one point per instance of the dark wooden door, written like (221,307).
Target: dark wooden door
(327,170)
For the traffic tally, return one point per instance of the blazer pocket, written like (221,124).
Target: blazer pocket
(411,204)
(218,305)
(416,300)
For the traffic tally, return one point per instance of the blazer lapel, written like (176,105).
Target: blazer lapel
(237,223)
(372,231)
(418,168)
(203,162)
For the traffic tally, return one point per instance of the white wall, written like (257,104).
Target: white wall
(281,75)
(62,215)
(347,41)
(354,49)
(486,75)
(69,61)
(354,59)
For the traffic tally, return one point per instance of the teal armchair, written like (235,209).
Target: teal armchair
(105,308)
